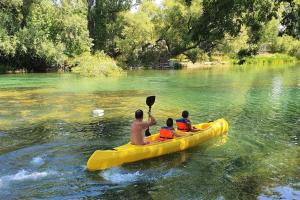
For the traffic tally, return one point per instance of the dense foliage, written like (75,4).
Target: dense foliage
(102,18)
(42,35)
(98,64)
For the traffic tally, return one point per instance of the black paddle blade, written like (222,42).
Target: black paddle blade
(147,132)
(150,100)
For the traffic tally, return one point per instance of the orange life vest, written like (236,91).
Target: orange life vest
(166,133)
(182,124)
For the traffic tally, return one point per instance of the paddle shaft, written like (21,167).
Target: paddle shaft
(149,101)
(147,132)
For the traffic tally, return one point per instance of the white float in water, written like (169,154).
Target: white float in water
(98,112)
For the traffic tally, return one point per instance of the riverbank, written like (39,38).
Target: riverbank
(270,59)
(265,59)
(101,65)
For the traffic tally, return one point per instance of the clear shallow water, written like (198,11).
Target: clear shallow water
(47,133)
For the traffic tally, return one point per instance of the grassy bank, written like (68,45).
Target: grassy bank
(101,65)
(270,59)
(258,60)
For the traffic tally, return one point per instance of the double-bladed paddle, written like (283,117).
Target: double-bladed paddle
(149,101)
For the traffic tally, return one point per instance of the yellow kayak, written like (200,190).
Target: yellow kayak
(103,159)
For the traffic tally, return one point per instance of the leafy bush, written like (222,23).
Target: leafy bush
(288,44)
(3,69)
(270,59)
(95,65)
(177,65)
(297,54)
(7,43)
(40,35)
(233,45)
(279,44)
(181,58)
(152,55)
(196,55)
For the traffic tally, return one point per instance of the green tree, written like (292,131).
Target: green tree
(177,19)
(152,34)
(102,16)
(231,45)
(11,18)
(46,35)
(221,17)
(270,35)
(138,31)
(291,18)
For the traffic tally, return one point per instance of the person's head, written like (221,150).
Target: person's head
(185,114)
(169,122)
(139,114)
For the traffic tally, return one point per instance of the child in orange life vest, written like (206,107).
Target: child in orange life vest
(184,124)
(168,132)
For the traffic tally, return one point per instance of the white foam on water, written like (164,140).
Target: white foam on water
(83,167)
(121,176)
(116,175)
(37,161)
(170,173)
(23,175)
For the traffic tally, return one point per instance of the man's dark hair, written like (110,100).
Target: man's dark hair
(185,114)
(139,114)
(169,122)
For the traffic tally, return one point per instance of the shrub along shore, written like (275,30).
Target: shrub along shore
(101,65)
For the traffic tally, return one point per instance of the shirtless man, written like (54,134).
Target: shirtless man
(138,128)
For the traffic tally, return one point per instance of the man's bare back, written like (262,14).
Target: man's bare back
(138,128)
(137,132)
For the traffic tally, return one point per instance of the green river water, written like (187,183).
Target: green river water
(47,133)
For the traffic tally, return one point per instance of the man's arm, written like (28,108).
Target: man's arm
(200,129)
(189,125)
(151,120)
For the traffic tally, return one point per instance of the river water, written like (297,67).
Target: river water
(48,131)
